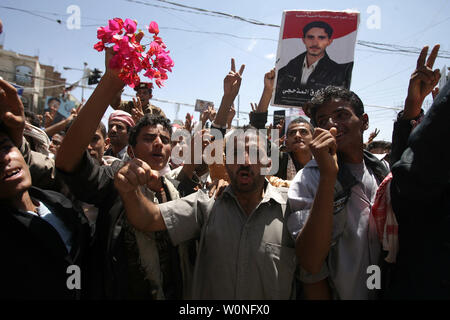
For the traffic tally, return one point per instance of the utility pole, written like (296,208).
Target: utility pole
(84,75)
(177,110)
(238,115)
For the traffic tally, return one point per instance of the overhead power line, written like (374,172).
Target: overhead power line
(170,8)
(32,13)
(383,47)
(387,48)
(391,48)
(249,20)
(205,12)
(397,48)
(374,45)
(218,33)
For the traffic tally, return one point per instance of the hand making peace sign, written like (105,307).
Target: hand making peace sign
(232,81)
(422,82)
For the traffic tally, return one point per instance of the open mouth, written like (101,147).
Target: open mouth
(244,177)
(10,174)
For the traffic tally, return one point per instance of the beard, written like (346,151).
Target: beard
(319,52)
(256,183)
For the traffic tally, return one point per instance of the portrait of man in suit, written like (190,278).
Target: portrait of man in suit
(311,70)
(54,107)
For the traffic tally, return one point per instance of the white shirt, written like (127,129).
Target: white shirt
(308,70)
(355,245)
(55,222)
(122,154)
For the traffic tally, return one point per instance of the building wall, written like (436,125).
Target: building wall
(35,83)
(53,83)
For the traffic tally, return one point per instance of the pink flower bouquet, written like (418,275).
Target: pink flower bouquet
(130,56)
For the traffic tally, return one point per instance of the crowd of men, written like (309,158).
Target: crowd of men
(90,212)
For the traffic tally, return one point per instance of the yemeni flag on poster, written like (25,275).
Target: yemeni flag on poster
(315,49)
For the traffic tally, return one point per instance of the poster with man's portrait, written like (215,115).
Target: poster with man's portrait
(201,105)
(59,108)
(315,49)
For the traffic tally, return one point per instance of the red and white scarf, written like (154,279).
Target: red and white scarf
(386,223)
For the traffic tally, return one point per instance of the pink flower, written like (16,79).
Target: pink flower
(155,48)
(153,28)
(127,77)
(130,26)
(99,46)
(101,33)
(130,57)
(164,61)
(159,41)
(115,25)
(150,73)
(106,33)
(122,46)
(159,83)
(136,44)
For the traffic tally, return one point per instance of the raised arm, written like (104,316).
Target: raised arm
(422,175)
(258,116)
(12,112)
(205,115)
(41,167)
(61,126)
(372,137)
(421,84)
(231,86)
(314,240)
(80,133)
(141,212)
(136,112)
(115,103)
(269,79)
(231,115)
(188,176)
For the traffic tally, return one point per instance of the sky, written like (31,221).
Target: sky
(202,59)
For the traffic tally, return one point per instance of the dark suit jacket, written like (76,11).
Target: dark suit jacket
(34,257)
(420,195)
(290,91)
